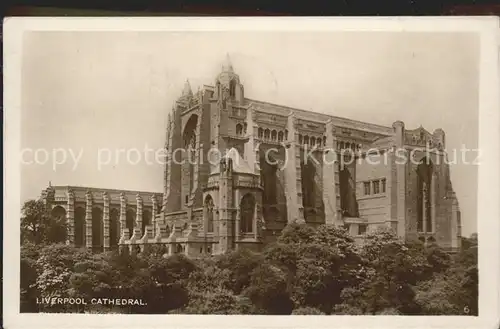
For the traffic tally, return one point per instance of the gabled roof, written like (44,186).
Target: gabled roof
(239,164)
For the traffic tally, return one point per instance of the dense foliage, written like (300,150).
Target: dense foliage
(307,271)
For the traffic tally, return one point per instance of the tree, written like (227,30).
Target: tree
(54,267)
(38,226)
(391,271)
(160,281)
(238,265)
(213,301)
(28,276)
(320,263)
(92,277)
(268,290)
(307,311)
(454,291)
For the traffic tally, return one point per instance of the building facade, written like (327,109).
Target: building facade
(101,219)
(238,170)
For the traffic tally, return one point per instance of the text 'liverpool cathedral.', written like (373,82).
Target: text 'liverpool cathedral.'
(246,197)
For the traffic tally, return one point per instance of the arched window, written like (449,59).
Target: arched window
(313,141)
(273,135)
(245,128)
(347,145)
(189,157)
(247,211)
(239,129)
(286,134)
(232,88)
(424,188)
(280,136)
(318,141)
(300,138)
(267,133)
(342,145)
(209,213)
(306,139)
(261,132)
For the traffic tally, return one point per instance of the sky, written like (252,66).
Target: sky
(100,98)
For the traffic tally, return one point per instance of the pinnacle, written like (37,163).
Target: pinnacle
(227,66)
(187,89)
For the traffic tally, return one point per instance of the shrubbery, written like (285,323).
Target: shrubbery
(307,271)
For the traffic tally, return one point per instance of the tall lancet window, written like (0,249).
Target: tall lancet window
(232,88)
(247,211)
(209,212)
(188,158)
(424,200)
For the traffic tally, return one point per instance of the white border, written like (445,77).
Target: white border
(488,191)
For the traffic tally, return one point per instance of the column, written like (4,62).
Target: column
(88,220)
(123,218)
(256,152)
(250,146)
(166,172)
(259,220)
(226,236)
(154,210)
(292,174)
(455,241)
(237,223)
(216,234)
(255,221)
(433,201)
(105,219)
(400,181)
(138,219)
(424,206)
(198,152)
(331,199)
(70,219)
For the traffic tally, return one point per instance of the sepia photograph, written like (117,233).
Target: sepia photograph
(198,171)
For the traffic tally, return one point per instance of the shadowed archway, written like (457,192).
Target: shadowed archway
(97,229)
(114,227)
(80,227)
(130,221)
(59,233)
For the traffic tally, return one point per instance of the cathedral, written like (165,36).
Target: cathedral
(238,170)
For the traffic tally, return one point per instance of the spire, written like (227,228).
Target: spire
(227,66)
(187,89)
